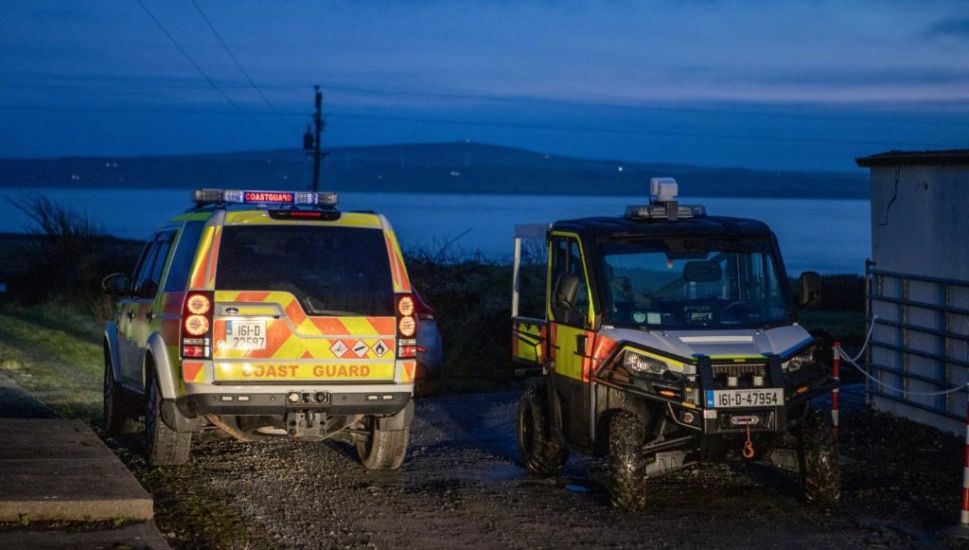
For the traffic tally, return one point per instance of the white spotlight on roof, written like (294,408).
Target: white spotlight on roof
(663,189)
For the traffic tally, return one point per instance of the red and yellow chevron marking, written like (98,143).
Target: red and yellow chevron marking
(203,270)
(397,269)
(408,372)
(297,336)
(193,371)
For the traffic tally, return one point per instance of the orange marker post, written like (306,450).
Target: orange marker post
(961,531)
(964,513)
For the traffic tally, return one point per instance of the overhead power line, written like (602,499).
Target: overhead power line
(242,69)
(200,70)
(879,119)
(482,123)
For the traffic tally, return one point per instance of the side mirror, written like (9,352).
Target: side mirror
(810,289)
(566,291)
(116,284)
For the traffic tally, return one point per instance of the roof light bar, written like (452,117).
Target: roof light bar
(248,196)
(663,205)
(663,211)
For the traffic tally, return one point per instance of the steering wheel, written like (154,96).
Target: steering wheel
(734,305)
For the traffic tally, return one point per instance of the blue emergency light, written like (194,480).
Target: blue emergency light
(249,196)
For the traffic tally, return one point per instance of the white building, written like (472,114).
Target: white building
(919,283)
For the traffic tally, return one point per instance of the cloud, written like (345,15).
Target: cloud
(957,28)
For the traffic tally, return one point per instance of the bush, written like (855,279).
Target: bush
(472,305)
(842,293)
(66,257)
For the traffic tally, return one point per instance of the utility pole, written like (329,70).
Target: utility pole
(311,139)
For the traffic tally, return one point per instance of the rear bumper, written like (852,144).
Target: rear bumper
(201,399)
(332,403)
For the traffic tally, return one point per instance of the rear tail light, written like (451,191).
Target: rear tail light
(198,304)
(406,327)
(196,325)
(405,306)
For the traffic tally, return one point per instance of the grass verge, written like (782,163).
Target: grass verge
(56,355)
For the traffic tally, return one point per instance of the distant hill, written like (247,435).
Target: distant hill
(460,167)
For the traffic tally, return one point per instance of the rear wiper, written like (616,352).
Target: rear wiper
(313,310)
(334,312)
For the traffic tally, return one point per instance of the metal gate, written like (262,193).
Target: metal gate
(919,341)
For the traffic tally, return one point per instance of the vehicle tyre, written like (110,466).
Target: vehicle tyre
(818,457)
(116,412)
(539,451)
(382,449)
(627,461)
(163,445)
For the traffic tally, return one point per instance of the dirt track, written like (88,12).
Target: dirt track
(462,487)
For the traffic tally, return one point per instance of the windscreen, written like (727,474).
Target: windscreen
(694,284)
(339,271)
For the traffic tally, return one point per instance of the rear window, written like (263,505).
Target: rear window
(330,270)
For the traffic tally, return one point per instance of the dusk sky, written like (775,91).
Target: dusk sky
(764,84)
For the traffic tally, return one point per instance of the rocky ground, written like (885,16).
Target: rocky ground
(462,486)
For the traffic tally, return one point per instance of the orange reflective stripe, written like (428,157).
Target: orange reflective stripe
(214,257)
(251,296)
(201,267)
(300,336)
(408,371)
(330,326)
(603,349)
(191,370)
(295,313)
(385,326)
(394,268)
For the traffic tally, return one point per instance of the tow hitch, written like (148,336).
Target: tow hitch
(748,451)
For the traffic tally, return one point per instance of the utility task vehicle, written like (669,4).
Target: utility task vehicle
(667,336)
(265,312)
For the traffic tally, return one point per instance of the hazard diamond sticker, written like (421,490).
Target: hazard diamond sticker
(360,348)
(379,348)
(339,348)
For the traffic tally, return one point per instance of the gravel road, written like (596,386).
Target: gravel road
(462,487)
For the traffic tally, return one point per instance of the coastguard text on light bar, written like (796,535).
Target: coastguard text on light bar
(239,196)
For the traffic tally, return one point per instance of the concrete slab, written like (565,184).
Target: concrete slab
(16,403)
(137,535)
(59,470)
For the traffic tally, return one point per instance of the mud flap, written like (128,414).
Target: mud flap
(666,462)
(399,421)
(785,459)
(175,420)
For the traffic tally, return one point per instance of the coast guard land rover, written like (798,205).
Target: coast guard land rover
(667,336)
(265,312)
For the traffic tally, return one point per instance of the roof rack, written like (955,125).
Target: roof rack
(203,197)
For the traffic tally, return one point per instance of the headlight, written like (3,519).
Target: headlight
(803,359)
(641,364)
